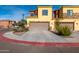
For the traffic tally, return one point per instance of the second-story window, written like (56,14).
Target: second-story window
(69,12)
(45,12)
(32,14)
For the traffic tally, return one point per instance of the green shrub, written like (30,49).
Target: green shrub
(66,31)
(62,30)
(20,26)
(20,29)
(59,30)
(57,24)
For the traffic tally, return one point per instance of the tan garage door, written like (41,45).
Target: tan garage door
(69,24)
(39,26)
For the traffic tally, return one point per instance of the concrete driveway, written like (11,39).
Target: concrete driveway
(42,38)
(73,38)
(7,47)
(36,36)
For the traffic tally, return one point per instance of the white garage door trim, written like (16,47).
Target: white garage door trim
(39,26)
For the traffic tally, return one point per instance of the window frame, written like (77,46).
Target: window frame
(69,12)
(45,12)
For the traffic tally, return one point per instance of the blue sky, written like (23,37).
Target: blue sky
(14,12)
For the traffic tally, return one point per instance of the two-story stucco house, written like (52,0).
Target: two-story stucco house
(44,18)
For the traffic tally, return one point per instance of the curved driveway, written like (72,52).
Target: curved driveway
(8,45)
(28,38)
(37,36)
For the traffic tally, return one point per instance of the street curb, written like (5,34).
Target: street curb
(8,40)
(39,43)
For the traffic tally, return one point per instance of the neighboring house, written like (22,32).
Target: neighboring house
(6,23)
(44,18)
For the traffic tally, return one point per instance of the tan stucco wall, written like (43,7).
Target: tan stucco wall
(36,20)
(48,18)
(75,10)
(76,23)
(40,17)
(52,25)
(5,24)
(52,22)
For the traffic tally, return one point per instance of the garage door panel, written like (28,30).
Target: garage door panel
(38,26)
(69,24)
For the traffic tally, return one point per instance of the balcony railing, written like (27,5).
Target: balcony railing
(32,17)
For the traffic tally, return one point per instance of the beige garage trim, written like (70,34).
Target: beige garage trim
(69,24)
(39,26)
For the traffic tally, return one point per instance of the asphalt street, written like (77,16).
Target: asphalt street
(20,48)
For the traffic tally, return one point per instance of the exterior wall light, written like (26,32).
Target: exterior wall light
(51,23)
(76,23)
